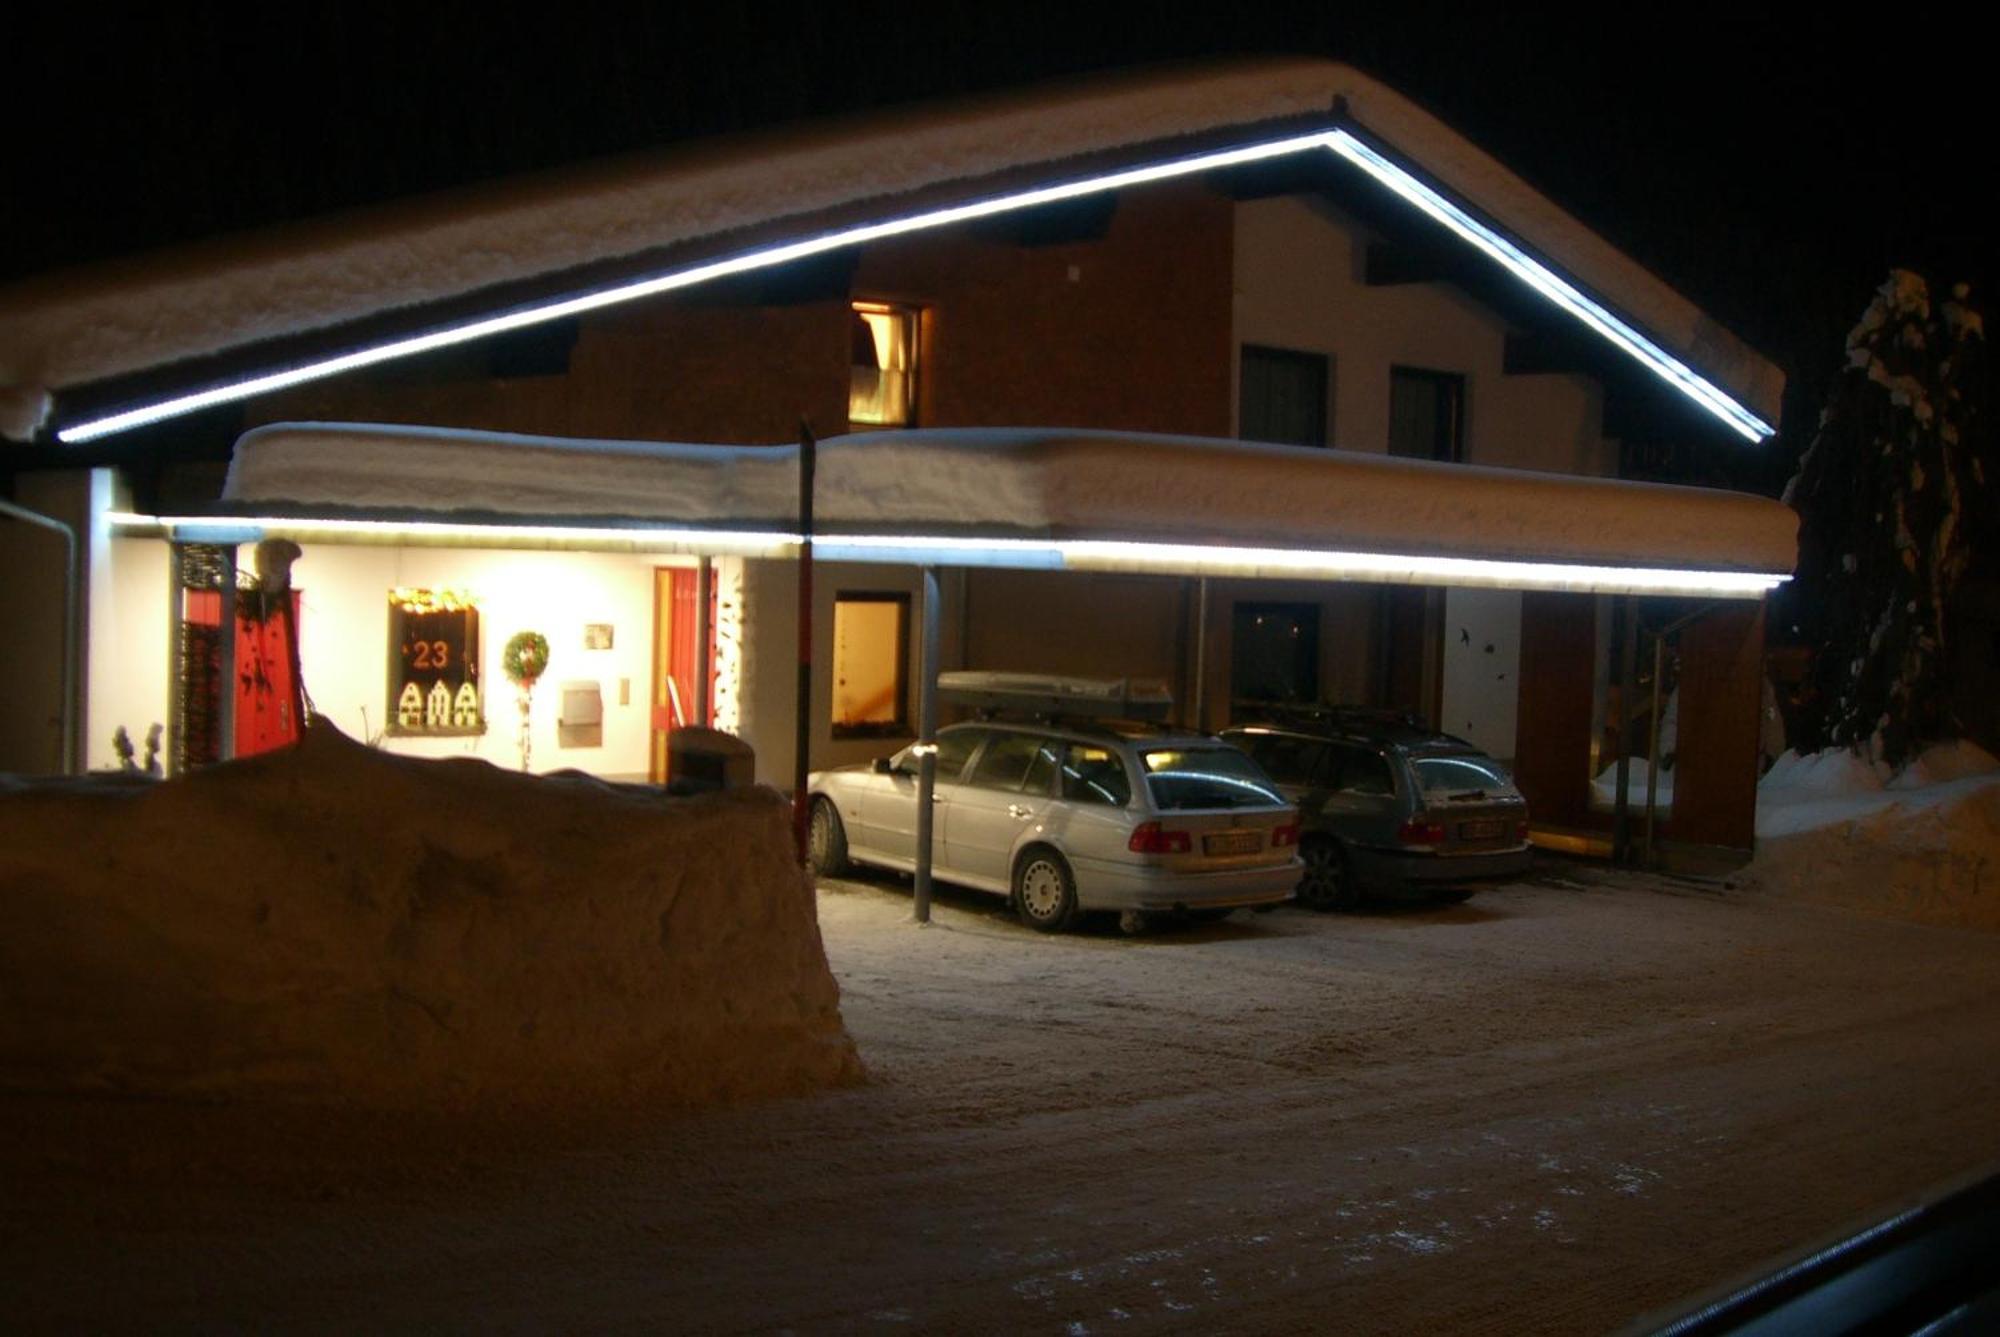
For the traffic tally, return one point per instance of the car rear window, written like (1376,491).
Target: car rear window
(1216,776)
(1462,773)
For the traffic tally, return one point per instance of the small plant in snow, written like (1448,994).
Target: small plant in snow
(1890,494)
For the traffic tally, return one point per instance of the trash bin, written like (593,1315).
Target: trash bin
(700,761)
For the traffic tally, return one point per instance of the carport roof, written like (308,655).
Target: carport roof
(1037,497)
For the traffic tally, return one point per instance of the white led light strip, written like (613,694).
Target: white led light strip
(1550,285)
(1070,554)
(1381,168)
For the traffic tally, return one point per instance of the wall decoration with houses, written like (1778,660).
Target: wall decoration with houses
(434,682)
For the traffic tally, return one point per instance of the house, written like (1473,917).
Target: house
(1283,252)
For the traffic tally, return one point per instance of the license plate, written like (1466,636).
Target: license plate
(1232,842)
(1480,830)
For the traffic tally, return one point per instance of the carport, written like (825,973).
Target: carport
(1083,502)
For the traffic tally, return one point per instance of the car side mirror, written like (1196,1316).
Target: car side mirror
(882,766)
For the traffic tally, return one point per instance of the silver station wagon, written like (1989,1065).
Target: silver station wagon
(1386,804)
(1066,814)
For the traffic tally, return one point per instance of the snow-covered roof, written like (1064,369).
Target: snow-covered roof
(1040,483)
(73,329)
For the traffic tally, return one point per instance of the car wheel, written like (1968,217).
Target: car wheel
(1044,891)
(1328,883)
(826,841)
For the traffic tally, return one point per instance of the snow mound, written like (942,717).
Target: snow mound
(1832,829)
(336,924)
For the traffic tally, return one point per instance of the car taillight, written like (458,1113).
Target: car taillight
(1152,838)
(1285,835)
(1419,832)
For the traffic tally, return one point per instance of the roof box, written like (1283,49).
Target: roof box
(1044,695)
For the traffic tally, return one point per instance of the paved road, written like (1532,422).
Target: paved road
(1562,1104)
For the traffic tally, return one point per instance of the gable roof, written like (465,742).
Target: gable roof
(206,314)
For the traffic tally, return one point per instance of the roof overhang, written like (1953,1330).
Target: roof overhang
(1029,498)
(116,350)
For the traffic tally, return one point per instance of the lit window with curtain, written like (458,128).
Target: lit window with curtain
(882,390)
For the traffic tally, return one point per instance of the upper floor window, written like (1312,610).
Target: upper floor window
(1282,396)
(882,388)
(1426,414)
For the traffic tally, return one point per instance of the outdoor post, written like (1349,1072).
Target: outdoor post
(927,743)
(704,577)
(1653,743)
(1628,651)
(72,582)
(1201,655)
(802,736)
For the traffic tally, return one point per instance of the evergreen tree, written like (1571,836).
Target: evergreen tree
(1890,496)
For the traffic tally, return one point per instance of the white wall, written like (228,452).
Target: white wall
(344,644)
(770,659)
(1482,668)
(1299,265)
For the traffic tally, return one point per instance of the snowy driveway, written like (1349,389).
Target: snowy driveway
(1557,1106)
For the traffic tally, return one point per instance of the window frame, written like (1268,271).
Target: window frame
(898,727)
(1455,383)
(1271,354)
(912,316)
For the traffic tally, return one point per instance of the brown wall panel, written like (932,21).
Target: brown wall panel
(1715,774)
(1552,754)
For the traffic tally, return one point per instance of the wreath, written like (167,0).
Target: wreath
(526,655)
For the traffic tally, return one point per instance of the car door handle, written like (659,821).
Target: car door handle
(1016,810)
(937,798)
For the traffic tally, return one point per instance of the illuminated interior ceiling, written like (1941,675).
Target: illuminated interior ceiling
(1400,176)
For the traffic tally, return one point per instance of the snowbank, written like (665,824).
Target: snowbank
(1924,845)
(333,923)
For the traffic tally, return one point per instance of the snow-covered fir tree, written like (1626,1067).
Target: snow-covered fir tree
(1890,496)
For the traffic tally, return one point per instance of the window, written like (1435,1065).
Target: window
(1018,762)
(1282,397)
(1360,771)
(1290,761)
(1274,653)
(882,389)
(871,638)
(434,686)
(953,751)
(1094,775)
(1426,414)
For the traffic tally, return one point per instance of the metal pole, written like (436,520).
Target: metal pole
(802,734)
(1201,655)
(927,669)
(1653,744)
(72,581)
(704,661)
(1628,650)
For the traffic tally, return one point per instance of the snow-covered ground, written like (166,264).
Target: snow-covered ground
(1557,1106)
(1923,845)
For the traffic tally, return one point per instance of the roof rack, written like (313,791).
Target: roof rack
(1044,696)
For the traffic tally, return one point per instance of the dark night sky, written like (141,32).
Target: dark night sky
(1771,171)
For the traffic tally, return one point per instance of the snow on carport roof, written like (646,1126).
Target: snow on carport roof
(1020,483)
(224,299)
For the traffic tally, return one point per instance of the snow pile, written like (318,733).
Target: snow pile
(333,923)
(1924,845)
(1043,482)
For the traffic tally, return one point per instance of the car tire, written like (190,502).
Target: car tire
(1453,895)
(826,840)
(1044,890)
(1328,880)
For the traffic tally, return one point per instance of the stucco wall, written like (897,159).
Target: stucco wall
(1298,268)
